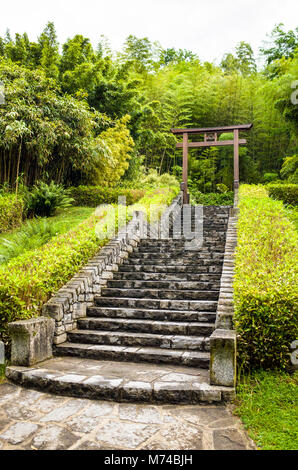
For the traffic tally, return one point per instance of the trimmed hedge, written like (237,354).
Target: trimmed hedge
(213,199)
(93,196)
(28,281)
(11,212)
(265,285)
(288,193)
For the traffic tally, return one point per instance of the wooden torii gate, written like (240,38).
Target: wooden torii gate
(211,135)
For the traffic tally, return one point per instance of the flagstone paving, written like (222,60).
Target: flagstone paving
(32,420)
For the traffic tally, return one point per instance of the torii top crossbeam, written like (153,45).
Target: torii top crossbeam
(211,140)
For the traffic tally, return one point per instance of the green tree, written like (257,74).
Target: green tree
(245,56)
(49,47)
(76,51)
(281,44)
(139,51)
(230,63)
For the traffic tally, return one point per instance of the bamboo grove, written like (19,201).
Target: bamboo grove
(77,114)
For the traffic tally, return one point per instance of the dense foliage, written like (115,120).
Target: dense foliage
(288,193)
(213,199)
(265,287)
(48,135)
(80,115)
(11,212)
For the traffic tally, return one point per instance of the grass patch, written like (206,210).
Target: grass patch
(64,220)
(267,405)
(37,232)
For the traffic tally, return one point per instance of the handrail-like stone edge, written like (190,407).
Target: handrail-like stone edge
(225,306)
(223,345)
(71,301)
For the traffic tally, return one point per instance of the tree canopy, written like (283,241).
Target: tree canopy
(75,113)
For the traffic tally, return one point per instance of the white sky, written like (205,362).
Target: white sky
(207,27)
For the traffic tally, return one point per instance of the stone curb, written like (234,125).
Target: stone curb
(100,388)
(223,339)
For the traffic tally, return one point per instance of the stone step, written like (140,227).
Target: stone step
(124,302)
(215,244)
(156,242)
(168,260)
(159,284)
(179,277)
(214,234)
(120,338)
(173,243)
(198,256)
(168,268)
(172,249)
(186,230)
(147,326)
(134,354)
(161,294)
(121,381)
(150,314)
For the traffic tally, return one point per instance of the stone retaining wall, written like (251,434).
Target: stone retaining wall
(225,307)
(223,339)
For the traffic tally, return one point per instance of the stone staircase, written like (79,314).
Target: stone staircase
(160,307)
(146,337)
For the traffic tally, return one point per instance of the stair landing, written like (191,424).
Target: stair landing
(121,381)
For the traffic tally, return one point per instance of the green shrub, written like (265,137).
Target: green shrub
(288,193)
(11,212)
(153,180)
(94,196)
(265,286)
(45,199)
(213,199)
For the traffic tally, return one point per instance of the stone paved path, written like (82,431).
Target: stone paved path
(35,420)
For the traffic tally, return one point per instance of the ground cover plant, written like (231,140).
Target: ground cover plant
(266,279)
(267,404)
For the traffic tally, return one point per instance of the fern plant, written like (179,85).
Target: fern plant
(45,199)
(33,235)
